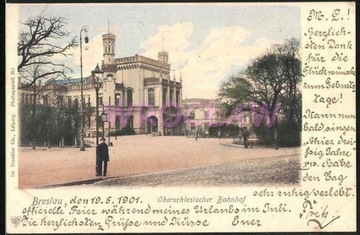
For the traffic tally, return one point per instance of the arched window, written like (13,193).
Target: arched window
(117,122)
(117,100)
(130,122)
(129,97)
(151,97)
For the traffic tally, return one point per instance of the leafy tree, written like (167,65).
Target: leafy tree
(291,96)
(52,124)
(270,79)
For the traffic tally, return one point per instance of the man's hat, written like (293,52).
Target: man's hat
(102,139)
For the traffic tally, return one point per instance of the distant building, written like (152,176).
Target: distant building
(208,118)
(200,114)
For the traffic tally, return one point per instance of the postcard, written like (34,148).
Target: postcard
(180,117)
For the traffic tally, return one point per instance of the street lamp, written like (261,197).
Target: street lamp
(85,29)
(104,119)
(96,75)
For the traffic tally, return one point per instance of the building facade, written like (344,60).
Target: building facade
(136,92)
(200,114)
(208,118)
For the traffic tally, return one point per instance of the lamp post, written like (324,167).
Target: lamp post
(96,79)
(85,29)
(109,143)
(104,119)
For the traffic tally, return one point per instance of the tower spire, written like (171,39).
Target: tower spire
(109,46)
(162,41)
(163,56)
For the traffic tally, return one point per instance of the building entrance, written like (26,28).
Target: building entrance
(152,124)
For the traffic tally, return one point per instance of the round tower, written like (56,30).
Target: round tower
(163,56)
(109,48)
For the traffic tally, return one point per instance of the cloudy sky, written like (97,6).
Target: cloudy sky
(207,43)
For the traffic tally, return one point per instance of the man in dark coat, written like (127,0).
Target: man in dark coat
(245,137)
(103,151)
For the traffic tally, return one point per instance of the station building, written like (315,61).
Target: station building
(136,92)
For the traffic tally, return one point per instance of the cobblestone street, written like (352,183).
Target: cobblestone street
(163,160)
(274,171)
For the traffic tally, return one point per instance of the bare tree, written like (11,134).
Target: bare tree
(41,45)
(38,46)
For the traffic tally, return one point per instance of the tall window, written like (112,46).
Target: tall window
(76,103)
(129,97)
(131,122)
(45,100)
(60,101)
(164,96)
(89,121)
(117,122)
(117,100)
(31,99)
(69,102)
(171,97)
(177,98)
(151,96)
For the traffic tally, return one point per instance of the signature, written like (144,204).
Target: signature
(314,214)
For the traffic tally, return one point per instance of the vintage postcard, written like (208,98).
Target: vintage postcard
(180,117)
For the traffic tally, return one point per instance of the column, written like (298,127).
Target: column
(168,95)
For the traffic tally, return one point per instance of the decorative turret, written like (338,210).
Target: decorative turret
(109,48)
(163,56)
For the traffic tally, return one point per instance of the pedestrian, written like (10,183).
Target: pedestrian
(245,137)
(103,152)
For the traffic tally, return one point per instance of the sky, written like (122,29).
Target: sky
(207,43)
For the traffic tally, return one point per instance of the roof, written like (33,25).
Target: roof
(67,81)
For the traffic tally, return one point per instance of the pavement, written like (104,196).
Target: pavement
(145,160)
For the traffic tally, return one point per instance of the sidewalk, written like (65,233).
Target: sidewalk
(132,155)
